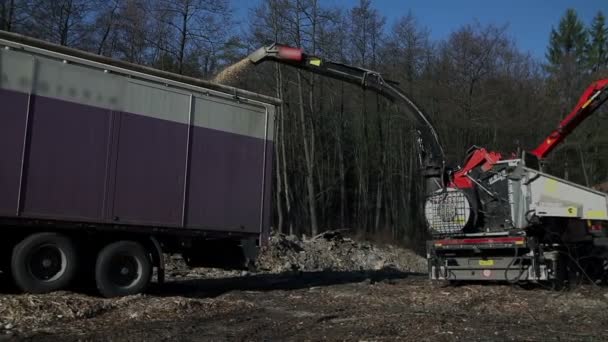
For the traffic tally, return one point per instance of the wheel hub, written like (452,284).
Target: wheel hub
(124,270)
(47,263)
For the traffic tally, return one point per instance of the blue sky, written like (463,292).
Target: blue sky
(529,21)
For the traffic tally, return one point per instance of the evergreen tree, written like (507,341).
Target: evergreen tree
(597,49)
(567,43)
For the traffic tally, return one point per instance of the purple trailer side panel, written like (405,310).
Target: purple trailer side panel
(66,164)
(150,171)
(82,165)
(225,183)
(12,127)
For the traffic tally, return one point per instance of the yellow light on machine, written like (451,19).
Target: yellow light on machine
(315,61)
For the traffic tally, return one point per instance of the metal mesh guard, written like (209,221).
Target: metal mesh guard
(447,212)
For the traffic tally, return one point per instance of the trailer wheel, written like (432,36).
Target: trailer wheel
(43,262)
(123,268)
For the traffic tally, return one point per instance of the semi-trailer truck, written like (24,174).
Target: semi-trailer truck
(105,166)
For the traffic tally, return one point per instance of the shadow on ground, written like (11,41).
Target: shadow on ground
(7,285)
(199,288)
(213,287)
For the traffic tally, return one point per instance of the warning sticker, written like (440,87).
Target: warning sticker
(486,262)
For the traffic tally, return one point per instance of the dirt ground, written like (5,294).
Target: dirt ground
(388,302)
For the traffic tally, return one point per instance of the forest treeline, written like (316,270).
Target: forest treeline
(344,157)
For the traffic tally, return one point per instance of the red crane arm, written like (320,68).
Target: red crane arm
(590,101)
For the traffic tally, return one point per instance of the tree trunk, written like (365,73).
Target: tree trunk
(381,168)
(280,148)
(7,16)
(310,185)
(279,203)
(583,164)
(107,31)
(285,179)
(182,40)
(11,14)
(277,144)
(65,25)
(362,205)
(3,16)
(341,167)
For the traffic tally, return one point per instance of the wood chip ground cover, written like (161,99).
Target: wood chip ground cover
(308,301)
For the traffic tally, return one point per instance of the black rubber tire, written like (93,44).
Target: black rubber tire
(116,257)
(34,275)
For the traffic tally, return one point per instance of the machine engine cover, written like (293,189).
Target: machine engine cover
(447,211)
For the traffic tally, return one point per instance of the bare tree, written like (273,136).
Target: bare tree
(133,31)
(106,22)
(269,25)
(12,14)
(60,21)
(200,27)
(366,26)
